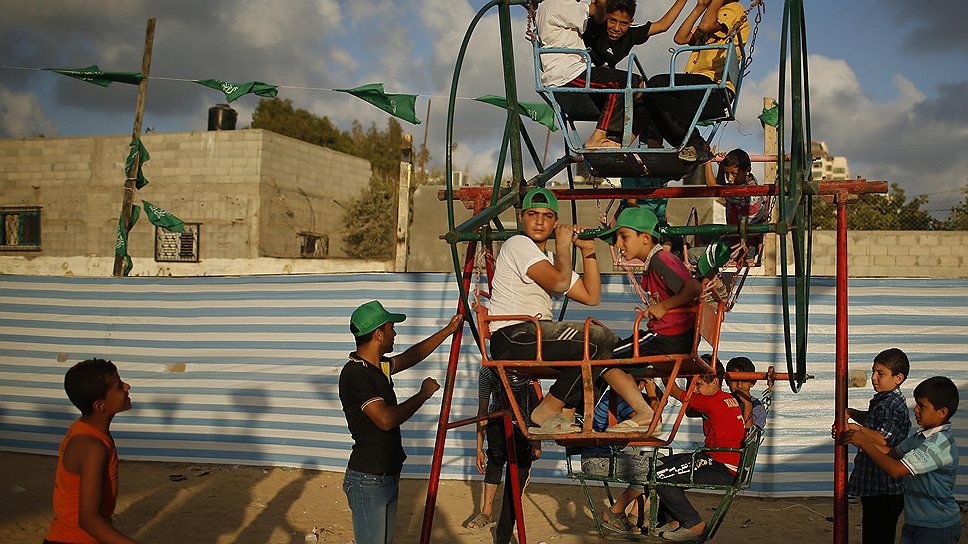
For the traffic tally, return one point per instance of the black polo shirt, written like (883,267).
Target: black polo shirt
(605,52)
(374,451)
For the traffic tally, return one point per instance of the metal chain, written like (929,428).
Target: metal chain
(760,9)
(532,32)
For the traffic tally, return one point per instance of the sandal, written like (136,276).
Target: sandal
(480,521)
(616,524)
(556,424)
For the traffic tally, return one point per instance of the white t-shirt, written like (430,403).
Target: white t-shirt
(512,291)
(561,23)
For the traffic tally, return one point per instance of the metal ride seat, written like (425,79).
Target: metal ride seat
(570,104)
(744,477)
(709,311)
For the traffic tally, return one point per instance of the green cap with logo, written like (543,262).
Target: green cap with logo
(370,316)
(637,219)
(539,197)
(716,255)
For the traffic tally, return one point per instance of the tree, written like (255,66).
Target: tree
(877,212)
(280,117)
(958,219)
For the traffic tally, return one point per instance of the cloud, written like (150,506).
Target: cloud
(936,26)
(910,138)
(21,115)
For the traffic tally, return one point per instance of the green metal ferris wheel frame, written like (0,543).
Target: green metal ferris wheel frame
(795,188)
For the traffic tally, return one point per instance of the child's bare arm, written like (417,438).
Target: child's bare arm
(687,294)
(860,416)
(666,21)
(90,457)
(685,31)
(886,459)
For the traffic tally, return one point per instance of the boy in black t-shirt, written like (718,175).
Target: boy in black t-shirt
(611,40)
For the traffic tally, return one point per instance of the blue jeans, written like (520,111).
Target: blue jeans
(914,534)
(373,503)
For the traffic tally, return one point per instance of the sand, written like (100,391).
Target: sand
(222,504)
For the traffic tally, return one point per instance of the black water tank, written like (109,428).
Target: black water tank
(222,117)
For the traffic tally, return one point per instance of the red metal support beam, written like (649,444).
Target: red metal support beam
(840,384)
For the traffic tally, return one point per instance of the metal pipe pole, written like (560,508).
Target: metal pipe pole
(840,384)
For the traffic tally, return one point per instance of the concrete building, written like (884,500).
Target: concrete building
(253,202)
(825,165)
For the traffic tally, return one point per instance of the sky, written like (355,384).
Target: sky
(887,78)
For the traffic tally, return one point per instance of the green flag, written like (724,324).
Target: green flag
(137,150)
(233,91)
(537,111)
(93,74)
(121,246)
(162,218)
(770,116)
(397,105)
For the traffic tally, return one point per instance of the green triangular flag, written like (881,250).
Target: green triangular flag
(770,116)
(137,150)
(537,111)
(93,74)
(233,91)
(162,218)
(121,246)
(397,105)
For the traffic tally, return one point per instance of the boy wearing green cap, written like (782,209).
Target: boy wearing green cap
(525,280)
(370,405)
(666,280)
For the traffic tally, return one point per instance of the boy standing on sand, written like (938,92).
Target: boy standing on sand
(86,481)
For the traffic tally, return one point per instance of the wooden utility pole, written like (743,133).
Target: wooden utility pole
(403,205)
(770,243)
(131,174)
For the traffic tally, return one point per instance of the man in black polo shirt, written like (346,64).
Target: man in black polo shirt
(374,417)
(611,40)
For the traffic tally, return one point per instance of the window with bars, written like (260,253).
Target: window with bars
(19,228)
(177,247)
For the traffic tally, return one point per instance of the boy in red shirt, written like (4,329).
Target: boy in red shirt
(86,481)
(723,427)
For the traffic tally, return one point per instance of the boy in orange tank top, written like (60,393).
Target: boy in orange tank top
(86,481)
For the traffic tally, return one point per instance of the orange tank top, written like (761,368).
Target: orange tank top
(67,488)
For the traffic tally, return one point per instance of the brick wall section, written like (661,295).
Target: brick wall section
(925,254)
(240,185)
(302,189)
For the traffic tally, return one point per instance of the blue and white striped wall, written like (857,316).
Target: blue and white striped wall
(245,370)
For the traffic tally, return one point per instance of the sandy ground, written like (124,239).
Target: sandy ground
(223,504)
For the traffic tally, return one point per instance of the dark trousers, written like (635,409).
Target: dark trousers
(675,469)
(880,515)
(560,341)
(671,112)
(523,452)
(609,107)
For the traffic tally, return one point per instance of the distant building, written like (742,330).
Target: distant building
(244,195)
(825,165)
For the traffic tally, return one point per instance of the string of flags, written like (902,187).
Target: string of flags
(400,105)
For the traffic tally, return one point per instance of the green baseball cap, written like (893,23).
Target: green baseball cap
(638,219)
(716,255)
(370,316)
(545,199)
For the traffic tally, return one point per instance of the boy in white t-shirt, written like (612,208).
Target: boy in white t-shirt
(525,279)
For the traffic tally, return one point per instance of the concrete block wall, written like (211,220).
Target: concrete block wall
(916,254)
(304,188)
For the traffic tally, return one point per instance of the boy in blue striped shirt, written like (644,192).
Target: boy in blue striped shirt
(927,462)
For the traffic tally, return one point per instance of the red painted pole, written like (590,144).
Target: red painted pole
(840,387)
(442,423)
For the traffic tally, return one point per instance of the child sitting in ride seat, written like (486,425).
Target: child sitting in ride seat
(722,22)
(610,40)
(735,170)
(560,24)
(666,281)
(754,411)
(525,279)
